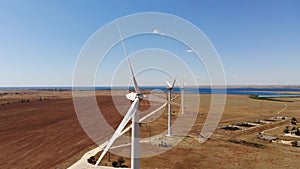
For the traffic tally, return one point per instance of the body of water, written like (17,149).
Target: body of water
(261,92)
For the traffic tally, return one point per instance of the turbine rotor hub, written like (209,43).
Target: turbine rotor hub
(132,96)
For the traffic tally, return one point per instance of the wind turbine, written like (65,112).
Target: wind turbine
(170,87)
(132,113)
(182,98)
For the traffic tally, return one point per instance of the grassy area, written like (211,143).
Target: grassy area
(269,99)
(247,143)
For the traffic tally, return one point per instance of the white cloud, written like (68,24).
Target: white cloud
(189,51)
(155,31)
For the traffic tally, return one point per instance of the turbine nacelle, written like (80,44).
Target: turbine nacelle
(171,86)
(132,96)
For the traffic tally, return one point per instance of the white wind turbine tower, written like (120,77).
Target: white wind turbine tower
(182,98)
(170,87)
(131,114)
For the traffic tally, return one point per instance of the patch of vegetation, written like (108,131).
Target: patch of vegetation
(230,128)
(24,101)
(119,163)
(114,164)
(3,94)
(247,143)
(41,99)
(268,98)
(244,125)
(286,129)
(294,121)
(295,143)
(92,160)
(297,132)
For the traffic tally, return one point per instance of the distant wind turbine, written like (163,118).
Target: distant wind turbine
(182,98)
(170,88)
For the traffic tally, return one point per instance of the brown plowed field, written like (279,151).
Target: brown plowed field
(47,134)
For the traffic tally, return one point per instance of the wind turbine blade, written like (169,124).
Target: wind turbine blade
(136,87)
(175,104)
(132,110)
(174,82)
(169,85)
(154,98)
(160,100)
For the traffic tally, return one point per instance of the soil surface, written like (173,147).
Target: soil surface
(44,132)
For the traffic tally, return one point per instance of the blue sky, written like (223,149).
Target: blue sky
(257,41)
